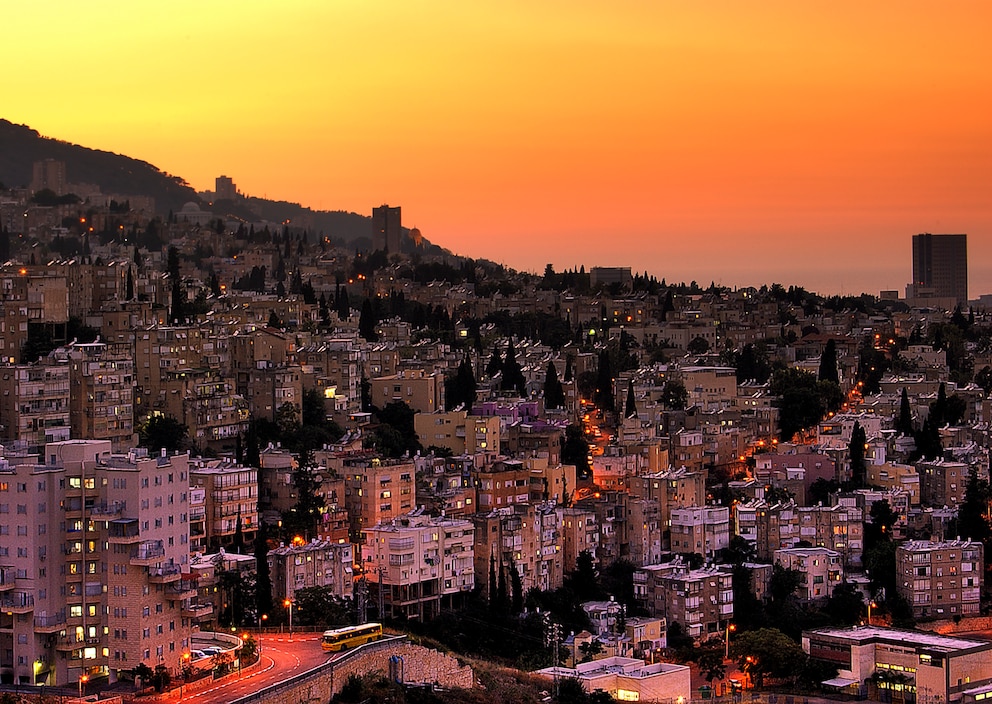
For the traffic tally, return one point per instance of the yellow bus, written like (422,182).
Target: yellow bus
(350,636)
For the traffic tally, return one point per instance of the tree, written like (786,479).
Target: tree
(460,387)
(263,580)
(905,422)
(603,396)
(495,363)
(973,521)
(569,372)
(162,432)
(554,394)
(710,661)
(274,321)
(320,606)
(768,651)
(367,321)
(828,363)
(698,345)
(516,589)
(513,375)
(575,451)
(845,605)
(856,453)
(674,395)
(630,408)
(783,583)
(302,519)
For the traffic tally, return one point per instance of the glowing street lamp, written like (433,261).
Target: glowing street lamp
(288,603)
(730,627)
(83,679)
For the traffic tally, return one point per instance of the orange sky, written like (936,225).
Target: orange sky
(740,142)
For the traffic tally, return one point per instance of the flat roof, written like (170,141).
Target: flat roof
(924,639)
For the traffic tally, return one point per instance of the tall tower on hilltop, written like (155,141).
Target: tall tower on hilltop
(387,229)
(224,188)
(940,266)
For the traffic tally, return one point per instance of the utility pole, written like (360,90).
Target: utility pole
(553,638)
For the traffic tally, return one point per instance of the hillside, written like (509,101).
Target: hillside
(21,146)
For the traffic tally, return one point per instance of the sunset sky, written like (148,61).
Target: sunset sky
(741,142)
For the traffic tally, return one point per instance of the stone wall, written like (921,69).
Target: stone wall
(393,657)
(411,664)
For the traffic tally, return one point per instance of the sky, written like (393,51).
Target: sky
(743,143)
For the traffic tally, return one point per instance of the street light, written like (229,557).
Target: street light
(265,617)
(288,603)
(730,627)
(83,679)
(870,604)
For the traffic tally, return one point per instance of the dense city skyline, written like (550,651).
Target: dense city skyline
(738,144)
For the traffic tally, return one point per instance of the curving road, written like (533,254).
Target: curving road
(280,660)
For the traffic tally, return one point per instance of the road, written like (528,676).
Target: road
(280,660)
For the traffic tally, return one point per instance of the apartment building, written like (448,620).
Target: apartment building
(502,484)
(942,482)
(941,579)
(416,565)
(377,491)
(579,533)
(34,403)
(230,501)
(768,526)
(891,475)
(839,528)
(318,563)
(458,431)
(101,398)
(526,536)
(700,529)
(701,601)
(821,569)
(104,587)
(417,388)
(673,488)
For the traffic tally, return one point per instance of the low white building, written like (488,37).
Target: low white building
(630,680)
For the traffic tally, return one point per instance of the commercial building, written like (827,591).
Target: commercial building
(887,663)
(940,267)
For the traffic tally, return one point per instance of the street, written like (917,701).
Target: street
(280,660)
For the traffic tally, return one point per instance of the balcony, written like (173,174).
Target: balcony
(164,575)
(197,611)
(123,531)
(108,510)
(181,589)
(49,624)
(6,579)
(17,603)
(148,553)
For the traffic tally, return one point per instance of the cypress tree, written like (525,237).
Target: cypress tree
(905,422)
(828,363)
(554,395)
(630,410)
(568,369)
(856,452)
(263,581)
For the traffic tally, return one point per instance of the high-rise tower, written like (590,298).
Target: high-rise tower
(387,229)
(940,266)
